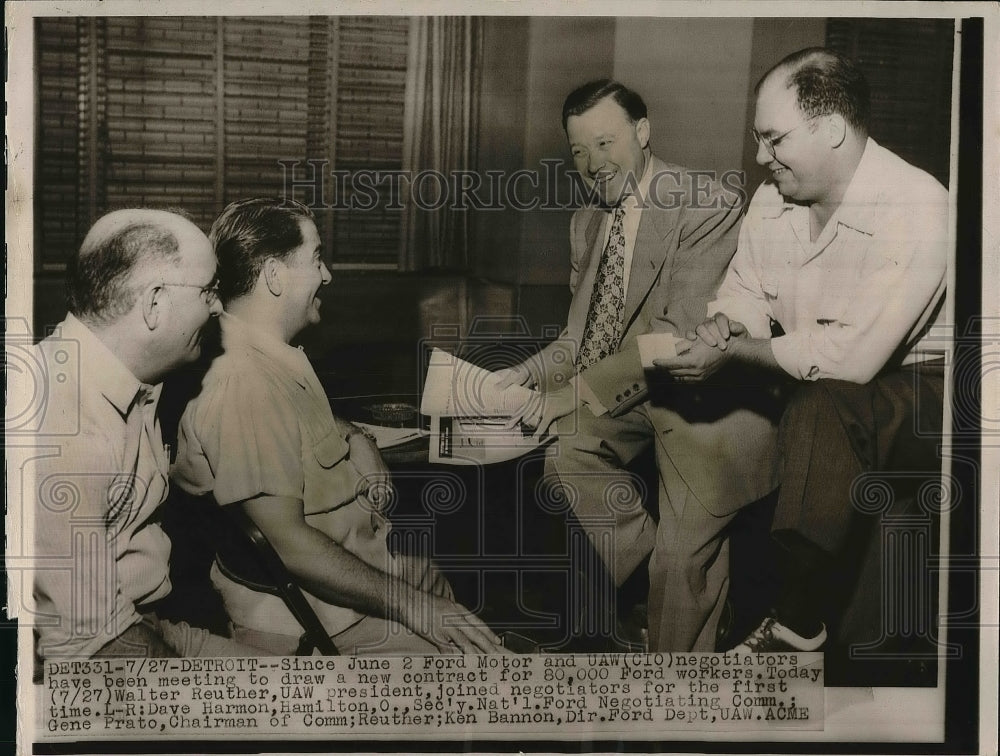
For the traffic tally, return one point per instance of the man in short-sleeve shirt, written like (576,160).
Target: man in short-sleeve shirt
(140,290)
(261,435)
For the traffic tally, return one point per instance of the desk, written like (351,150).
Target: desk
(512,555)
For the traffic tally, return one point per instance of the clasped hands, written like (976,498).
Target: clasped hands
(708,348)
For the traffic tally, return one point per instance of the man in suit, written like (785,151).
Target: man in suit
(647,256)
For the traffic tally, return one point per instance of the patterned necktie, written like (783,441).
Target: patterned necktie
(606,315)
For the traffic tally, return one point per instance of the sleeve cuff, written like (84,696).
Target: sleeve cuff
(789,351)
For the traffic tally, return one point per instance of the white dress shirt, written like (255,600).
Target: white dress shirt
(869,292)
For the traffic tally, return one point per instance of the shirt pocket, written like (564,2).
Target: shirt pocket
(833,308)
(769,285)
(331,480)
(330,449)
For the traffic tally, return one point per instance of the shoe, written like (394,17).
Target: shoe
(773,636)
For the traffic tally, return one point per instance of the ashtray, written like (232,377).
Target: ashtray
(393,414)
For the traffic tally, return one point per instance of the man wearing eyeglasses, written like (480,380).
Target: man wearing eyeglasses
(140,290)
(838,283)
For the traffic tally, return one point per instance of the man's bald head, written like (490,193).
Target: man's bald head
(825,82)
(101,278)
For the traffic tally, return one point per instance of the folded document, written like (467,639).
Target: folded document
(457,388)
(470,416)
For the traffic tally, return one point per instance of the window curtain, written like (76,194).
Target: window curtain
(908,63)
(440,120)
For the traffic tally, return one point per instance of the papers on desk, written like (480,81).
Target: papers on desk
(469,415)
(386,438)
(455,441)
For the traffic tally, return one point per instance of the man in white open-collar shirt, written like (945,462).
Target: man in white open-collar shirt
(140,291)
(846,249)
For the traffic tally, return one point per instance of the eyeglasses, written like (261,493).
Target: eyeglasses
(209,294)
(771,143)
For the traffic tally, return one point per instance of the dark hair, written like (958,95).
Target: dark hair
(826,82)
(98,277)
(583,98)
(250,231)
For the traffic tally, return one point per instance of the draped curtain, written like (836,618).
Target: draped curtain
(441,119)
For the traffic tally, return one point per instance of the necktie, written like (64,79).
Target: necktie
(606,315)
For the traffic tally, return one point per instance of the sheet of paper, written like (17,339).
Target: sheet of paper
(656,346)
(456,388)
(455,441)
(389,437)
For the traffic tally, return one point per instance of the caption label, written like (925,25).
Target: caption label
(432,695)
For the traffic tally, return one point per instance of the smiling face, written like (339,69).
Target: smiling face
(802,162)
(608,149)
(305,274)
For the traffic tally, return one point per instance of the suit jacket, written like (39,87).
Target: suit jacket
(720,438)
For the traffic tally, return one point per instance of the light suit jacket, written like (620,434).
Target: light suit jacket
(721,437)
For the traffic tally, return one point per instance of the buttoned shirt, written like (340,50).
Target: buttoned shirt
(100,477)
(262,426)
(867,294)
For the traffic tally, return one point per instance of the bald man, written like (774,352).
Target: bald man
(139,291)
(846,248)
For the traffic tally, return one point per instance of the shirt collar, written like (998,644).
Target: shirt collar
(100,367)
(776,204)
(638,198)
(238,334)
(857,209)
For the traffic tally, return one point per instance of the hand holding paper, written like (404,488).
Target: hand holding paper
(554,405)
(518,375)
(474,412)
(653,346)
(457,388)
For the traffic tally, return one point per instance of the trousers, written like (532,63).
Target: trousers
(689,562)
(835,434)
(370,635)
(854,458)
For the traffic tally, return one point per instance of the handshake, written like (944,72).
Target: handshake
(706,349)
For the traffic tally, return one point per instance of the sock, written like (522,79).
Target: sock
(804,567)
